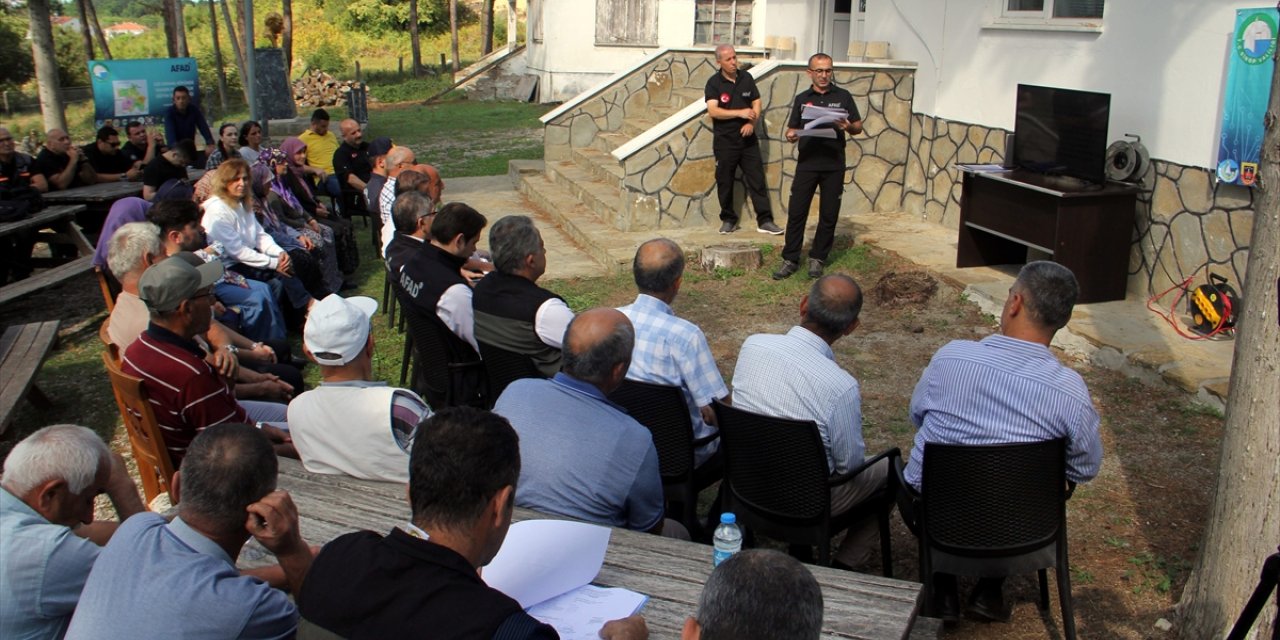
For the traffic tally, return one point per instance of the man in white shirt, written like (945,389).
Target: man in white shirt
(351,424)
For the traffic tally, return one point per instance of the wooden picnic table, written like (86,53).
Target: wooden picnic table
(671,572)
(22,351)
(61,219)
(101,196)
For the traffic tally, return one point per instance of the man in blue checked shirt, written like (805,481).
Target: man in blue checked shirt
(671,350)
(1007,387)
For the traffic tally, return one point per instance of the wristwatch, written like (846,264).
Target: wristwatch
(232,349)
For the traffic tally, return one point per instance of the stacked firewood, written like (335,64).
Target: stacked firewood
(318,89)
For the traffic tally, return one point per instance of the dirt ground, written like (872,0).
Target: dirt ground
(1133,531)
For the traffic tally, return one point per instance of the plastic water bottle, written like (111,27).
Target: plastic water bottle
(727,537)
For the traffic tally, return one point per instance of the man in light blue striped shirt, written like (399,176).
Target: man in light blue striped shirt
(1008,387)
(796,376)
(671,350)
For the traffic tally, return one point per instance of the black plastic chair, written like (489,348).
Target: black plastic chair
(447,372)
(504,367)
(352,204)
(662,409)
(777,482)
(996,510)
(1269,581)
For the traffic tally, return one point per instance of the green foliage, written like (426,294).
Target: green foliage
(16,66)
(378,17)
(73,65)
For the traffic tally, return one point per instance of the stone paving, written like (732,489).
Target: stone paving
(1120,335)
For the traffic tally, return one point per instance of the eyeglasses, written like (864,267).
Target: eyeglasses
(822,72)
(9,139)
(208,293)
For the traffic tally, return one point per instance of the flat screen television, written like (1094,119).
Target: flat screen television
(1062,132)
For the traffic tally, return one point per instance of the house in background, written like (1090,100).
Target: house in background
(124,28)
(1162,61)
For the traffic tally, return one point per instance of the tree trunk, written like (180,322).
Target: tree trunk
(286,36)
(86,33)
(512,26)
(486,27)
(170,27)
(244,32)
(97,30)
(217,58)
(1244,521)
(415,42)
(453,32)
(46,65)
(235,45)
(180,33)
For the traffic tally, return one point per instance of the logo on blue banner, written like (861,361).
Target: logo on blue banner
(1247,93)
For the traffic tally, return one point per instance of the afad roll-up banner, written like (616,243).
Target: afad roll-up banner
(142,90)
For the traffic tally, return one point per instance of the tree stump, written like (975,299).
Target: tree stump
(731,256)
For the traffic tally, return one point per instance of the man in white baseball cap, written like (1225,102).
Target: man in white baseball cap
(351,424)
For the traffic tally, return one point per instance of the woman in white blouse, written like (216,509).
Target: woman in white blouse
(240,239)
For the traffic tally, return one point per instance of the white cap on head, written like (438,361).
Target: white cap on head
(337,328)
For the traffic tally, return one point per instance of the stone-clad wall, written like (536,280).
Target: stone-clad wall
(1181,225)
(671,183)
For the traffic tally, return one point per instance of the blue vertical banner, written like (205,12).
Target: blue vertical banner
(142,90)
(1249,70)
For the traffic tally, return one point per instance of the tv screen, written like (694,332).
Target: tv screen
(1062,132)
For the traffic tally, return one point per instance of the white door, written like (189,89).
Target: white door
(838,31)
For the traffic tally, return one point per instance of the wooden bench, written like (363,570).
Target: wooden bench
(22,351)
(60,219)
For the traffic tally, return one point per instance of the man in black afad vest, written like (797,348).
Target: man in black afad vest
(420,579)
(17,178)
(820,165)
(733,102)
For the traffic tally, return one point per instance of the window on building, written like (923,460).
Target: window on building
(1080,9)
(722,22)
(627,22)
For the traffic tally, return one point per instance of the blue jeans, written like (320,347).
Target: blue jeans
(260,317)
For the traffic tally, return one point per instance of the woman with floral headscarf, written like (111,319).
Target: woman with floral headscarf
(280,219)
(295,153)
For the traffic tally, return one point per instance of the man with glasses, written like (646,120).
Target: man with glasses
(733,102)
(188,394)
(351,424)
(398,160)
(107,161)
(820,166)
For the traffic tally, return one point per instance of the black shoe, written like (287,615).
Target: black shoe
(987,603)
(785,271)
(348,285)
(815,268)
(769,228)
(728,227)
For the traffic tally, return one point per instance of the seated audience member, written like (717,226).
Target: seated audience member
(670,350)
(413,215)
(351,159)
(796,376)
(61,163)
(140,147)
(134,248)
(250,141)
(254,301)
(315,267)
(434,187)
(122,212)
(106,160)
(295,153)
(48,539)
(226,147)
(279,198)
(183,120)
(160,579)
(1005,388)
(757,594)
(18,176)
(478,263)
(377,177)
(168,165)
(430,278)
(188,393)
(351,424)
(613,479)
(511,311)
(397,161)
(243,245)
(321,144)
(424,575)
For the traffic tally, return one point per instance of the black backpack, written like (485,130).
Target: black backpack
(16,203)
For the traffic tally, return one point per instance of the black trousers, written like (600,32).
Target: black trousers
(802,188)
(728,159)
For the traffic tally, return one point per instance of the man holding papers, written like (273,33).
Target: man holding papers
(421,579)
(820,117)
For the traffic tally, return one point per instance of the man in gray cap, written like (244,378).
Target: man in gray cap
(188,392)
(351,424)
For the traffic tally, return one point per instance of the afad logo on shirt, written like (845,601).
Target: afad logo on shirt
(725,97)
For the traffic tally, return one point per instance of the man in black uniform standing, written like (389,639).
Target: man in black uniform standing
(820,165)
(733,102)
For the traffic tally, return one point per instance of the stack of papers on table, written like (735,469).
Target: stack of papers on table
(548,565)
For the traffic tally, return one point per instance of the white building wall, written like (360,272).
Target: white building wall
(1162,61)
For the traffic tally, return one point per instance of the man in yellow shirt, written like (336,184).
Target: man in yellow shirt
(321,143)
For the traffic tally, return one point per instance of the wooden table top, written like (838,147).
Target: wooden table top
(41,219)
(670,572)
(106,192)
